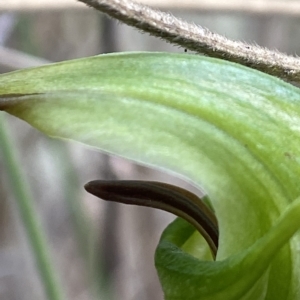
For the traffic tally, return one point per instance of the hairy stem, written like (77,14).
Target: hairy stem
(199,39)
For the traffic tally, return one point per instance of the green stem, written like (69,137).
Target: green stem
(29,217)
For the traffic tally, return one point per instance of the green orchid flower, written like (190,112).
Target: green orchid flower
(230,130)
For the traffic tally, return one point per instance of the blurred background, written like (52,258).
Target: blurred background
(99,250)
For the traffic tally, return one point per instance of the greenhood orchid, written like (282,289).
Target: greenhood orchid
(230,130)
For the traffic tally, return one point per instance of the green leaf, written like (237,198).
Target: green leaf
(228,129)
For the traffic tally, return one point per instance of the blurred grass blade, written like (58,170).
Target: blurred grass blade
(231,130)
(27,212)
